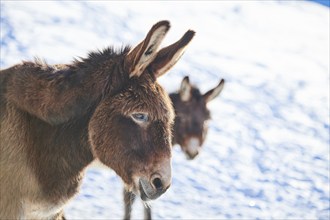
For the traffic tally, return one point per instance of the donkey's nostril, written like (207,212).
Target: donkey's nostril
(157,182)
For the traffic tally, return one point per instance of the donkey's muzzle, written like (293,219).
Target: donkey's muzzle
(153,188)
(192,146)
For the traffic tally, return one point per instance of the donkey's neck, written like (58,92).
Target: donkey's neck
(90,79)
(59,154)
(59,93)
(60,100)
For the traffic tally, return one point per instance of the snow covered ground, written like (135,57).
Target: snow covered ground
(267,151)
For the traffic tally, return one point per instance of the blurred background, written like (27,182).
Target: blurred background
(266,155)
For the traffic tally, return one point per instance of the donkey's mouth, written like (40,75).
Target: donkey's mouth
(143,195)
(147,192)
(192,148)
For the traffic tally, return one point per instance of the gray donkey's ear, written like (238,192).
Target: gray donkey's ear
(145,52)
(185,89)
(210,95)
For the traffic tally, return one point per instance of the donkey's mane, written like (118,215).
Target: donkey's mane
(99,56)
(93,58)
(73,72)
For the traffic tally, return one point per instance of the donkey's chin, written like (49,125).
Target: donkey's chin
(191,155)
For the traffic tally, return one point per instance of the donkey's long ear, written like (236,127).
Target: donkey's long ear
(185,89)
(145,52)
(168,56)
(210,95)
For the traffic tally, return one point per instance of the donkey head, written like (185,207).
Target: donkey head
(192,115)
(130,131)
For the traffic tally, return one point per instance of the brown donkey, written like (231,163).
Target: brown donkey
(190,127)
(55,120)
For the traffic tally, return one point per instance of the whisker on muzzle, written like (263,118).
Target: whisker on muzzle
(147,204)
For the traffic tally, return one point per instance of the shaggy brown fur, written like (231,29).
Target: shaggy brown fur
(191,116)
(55,120)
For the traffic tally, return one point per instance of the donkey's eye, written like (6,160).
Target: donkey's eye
(140,117)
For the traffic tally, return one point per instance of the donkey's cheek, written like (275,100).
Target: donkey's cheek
(116,144)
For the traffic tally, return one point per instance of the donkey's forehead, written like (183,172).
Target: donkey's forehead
(194,106)
(147,97)
(196,94)
(196,98)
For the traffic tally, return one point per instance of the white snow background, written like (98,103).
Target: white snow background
(267,151)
